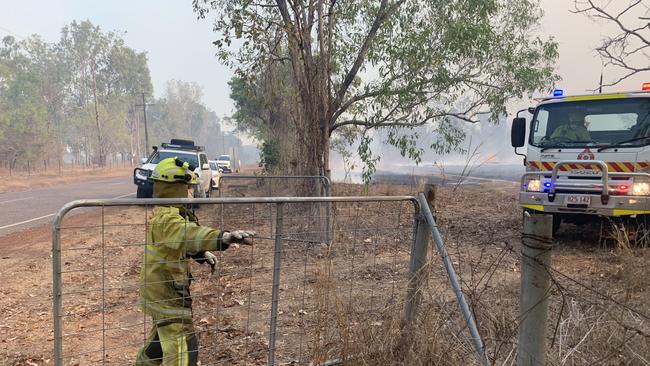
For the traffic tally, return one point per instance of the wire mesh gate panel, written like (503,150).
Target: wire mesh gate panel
(289,298)
(283,186)
(274,186)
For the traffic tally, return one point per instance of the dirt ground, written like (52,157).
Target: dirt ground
(39,178)
(53,177)
(340,301)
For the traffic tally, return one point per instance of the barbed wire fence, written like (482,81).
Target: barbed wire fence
(591,319)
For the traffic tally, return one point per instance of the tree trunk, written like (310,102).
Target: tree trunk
(100,146)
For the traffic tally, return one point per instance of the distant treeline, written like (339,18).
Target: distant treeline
(79,101)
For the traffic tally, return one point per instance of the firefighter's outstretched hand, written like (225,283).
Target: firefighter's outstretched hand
(239,237)
(212,261)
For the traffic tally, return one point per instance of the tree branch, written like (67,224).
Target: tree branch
(618,50)
(382,14)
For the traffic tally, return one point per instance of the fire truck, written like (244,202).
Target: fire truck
(588,156)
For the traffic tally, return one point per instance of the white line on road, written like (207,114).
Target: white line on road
(50,215)
(26,221)
(17,199)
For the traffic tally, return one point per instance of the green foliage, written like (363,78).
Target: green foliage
(79,95)
(366,156)
(270,155)
(263,111)
(249,108)
(23,117)
(75,95)
(388,63)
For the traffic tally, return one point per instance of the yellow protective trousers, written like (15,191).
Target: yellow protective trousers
(170,344)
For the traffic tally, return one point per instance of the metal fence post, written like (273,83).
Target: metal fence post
(328,211)
(56,289)
(453,278)
(221,206)
(537,242)
(419,252)
(270,194)
(275,292)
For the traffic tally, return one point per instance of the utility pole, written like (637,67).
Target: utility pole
(146,131)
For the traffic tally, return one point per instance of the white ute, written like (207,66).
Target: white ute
(224,163)
(184,150)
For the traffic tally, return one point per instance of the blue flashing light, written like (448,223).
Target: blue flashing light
(547,185)
(558,92)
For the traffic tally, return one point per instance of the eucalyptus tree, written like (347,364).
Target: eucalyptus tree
(396,64)
(103,73)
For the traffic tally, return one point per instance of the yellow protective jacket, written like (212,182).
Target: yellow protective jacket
(572,133)
(173,237)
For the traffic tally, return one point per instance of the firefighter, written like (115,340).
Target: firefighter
(174,236)
(574,130)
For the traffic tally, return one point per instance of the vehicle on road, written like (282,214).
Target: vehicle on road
(588,156)
(225,163)
(216,174)
(184,150)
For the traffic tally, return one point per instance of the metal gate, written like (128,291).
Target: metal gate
(291,298)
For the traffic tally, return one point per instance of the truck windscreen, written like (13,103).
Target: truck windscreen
(592,123)
(160,155)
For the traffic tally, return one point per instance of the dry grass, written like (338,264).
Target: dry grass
(598,311)
(599,296)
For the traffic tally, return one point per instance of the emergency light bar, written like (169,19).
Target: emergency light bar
(559,94)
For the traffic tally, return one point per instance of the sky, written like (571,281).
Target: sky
(179,46)
(577,36)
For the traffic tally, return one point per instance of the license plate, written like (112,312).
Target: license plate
(578,200)
(587,172)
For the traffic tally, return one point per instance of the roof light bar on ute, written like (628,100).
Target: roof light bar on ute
(166,145)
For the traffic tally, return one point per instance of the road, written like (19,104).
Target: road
(24,209)
(29,208)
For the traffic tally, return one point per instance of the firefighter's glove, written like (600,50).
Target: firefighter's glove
(238,237)
(212,261)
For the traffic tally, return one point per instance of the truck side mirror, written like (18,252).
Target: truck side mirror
(518,132)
